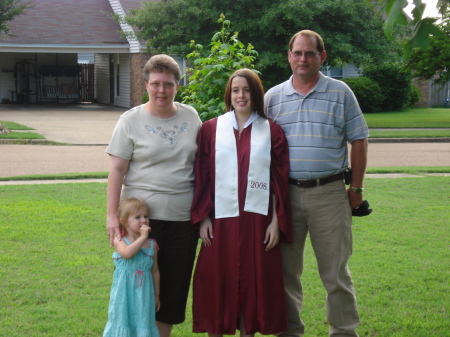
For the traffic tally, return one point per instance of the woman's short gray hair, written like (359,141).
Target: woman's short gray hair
(161,63)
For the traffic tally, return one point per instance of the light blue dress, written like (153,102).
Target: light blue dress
(131,311)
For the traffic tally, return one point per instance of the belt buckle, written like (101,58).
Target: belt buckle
(299,181)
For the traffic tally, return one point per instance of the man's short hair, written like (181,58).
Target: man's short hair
(320,45)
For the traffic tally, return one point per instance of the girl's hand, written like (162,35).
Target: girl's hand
(145,230)
(206,231)
(157,303)
(272,235)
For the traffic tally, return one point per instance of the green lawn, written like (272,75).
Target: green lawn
(418,170)
(56,263)
(410,133)
(410,118)
(15,126)
(22,135)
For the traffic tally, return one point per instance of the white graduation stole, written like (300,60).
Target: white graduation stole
(226,184)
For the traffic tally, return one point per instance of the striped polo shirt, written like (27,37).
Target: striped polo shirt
(317,126)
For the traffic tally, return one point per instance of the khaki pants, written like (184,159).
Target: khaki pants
(325,213)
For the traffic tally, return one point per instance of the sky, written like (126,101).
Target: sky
(430,9)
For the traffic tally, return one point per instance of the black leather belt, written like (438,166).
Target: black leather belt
(316,182)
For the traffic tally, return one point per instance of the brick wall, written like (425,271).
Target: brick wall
(137,86)
(424,87)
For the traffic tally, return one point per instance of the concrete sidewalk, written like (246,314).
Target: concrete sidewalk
(90,127)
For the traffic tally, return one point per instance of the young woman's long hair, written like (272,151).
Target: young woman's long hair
(256,90)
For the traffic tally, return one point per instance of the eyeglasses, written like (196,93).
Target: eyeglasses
(308,54)
(157,85)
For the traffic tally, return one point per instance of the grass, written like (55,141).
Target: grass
(59,176)
(410,133)
(57,270)
(419,170)
(15,126)
(22,135)
(410,118)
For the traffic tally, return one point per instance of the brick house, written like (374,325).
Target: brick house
(432,94)
(40,62)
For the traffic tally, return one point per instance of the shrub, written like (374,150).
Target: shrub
(395,83)
(368,93)
(414,95)
(144,98)
(180,93)
(206,85)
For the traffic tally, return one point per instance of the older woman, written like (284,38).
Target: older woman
(152,153)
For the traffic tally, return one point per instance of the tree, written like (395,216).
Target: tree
(210,74)
(351,29)
(423,27)
(435,60)
(9,9)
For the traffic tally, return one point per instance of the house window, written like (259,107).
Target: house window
(117,75)
(332,72)
(336,72)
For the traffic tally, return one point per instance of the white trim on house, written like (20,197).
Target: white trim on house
(135,46)
(123,99)
(102,78)
(68,48)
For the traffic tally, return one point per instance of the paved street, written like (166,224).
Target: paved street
(90,126)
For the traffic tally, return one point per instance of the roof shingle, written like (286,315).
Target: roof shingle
(79,22)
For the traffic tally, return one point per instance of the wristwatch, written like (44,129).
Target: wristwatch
(357,189)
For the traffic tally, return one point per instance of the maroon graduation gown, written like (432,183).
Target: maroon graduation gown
(235,274)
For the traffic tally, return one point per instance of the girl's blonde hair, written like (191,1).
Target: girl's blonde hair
(127,207)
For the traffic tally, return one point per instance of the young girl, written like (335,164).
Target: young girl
(135,289)
(241,209)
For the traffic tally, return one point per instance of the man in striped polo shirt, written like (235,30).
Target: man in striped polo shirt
(319,116)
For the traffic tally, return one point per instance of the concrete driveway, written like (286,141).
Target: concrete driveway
(80,124)
(90,126)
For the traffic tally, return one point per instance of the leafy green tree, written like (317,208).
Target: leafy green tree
(423,28)
(209,75)
(435,60)
(352,31)
(9,9)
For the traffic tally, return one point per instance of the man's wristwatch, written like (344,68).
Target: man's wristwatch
(357,189)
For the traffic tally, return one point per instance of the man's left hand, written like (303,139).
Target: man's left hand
(355,199)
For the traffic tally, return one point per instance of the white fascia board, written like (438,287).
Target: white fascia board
(117,8)
(61,48)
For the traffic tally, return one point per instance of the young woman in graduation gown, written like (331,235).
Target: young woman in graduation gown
(242,211)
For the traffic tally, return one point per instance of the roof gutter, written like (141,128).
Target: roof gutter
(64,48)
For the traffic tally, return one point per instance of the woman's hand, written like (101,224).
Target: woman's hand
(206,231)
(113,229)
(272,235)
(118,167)
(273,231)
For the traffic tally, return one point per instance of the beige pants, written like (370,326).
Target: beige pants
(325,213)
